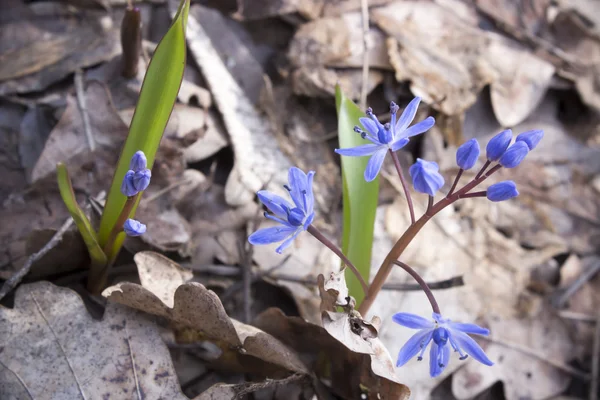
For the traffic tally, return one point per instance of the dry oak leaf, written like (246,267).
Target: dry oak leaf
(53,349)
(191,305)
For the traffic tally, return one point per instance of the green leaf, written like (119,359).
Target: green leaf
(156,101)
(359,196)
(83,224)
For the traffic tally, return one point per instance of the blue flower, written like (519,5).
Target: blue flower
(515,154)
(467,154)
(293,218)
(141,179)
(134,228)
(128,187)
(502,191)
(498,145)
(392,136)
(532,138)
(445,335)
(425,177)
(138,161)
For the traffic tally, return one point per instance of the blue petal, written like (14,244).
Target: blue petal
(412,321)
(298,185)
(358,151)
(469,346)
(288,241)
(399,143)
(309,220)
(370,125)
(271,235)
(438,359)
(419,127)
(275,203)
(407,115)
(416,342)
(469,328)
(374,164)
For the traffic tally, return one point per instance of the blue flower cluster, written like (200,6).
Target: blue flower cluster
(136,180)
(292,219)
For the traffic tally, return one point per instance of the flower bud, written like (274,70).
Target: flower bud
(134,228)
(138,161)
(532,138)
(141,179)
(467,154)
(514,155)
(502,191)
(425,177)
(128,186)
(498,145)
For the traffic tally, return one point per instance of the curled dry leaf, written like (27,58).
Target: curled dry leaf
(258,159)
(53,349)
(252,9)
(352,374)
(195,307)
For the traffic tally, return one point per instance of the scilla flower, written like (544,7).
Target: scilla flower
(445,335)
(293,219)
(134,228)
(138,177)
(501,191)
(389,137)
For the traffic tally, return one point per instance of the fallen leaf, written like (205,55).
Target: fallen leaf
(195,307)
(54,349)
(249,9)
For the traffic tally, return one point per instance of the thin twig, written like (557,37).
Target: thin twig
(14,280)
(526,350)
(579,317)
(365,66)
(561,300)
(164,190)
(80,93)
(455,281)
(595,363)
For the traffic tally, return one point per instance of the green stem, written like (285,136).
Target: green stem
(386,267)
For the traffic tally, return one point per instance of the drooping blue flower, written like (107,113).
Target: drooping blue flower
(128,186)
(141,179)
(293,219)
(532,138)
(514,155)
(498,145)
(445,335)
(425,176)
(134,228)
(138,161)
(392,136)
(502,191)
(467,154)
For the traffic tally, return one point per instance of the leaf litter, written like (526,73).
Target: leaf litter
(505,65)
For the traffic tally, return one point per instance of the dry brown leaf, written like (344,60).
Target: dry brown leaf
(258,159)
(448,60)
(53,349)
(46,48)
(524,376)
(253,9)
(200,309)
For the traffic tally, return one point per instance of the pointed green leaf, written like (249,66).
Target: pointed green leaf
(81,221)
(359,196)
(156,101)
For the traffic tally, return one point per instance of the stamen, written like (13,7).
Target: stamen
(463,357)
(387,126)
(287,188)
(304,198)
(394,108)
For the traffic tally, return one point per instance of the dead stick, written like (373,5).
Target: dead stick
(365,66)
(80,92)
(14,280)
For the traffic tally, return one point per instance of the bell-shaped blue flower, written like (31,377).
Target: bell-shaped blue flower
(467,154)
(293,219)
(138,161)
(498,145)
(141,179)
(532,138)
(388,137)
(502,191)
(425,177)
(128,186)
(514,155)
(134,228)
(443,335)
